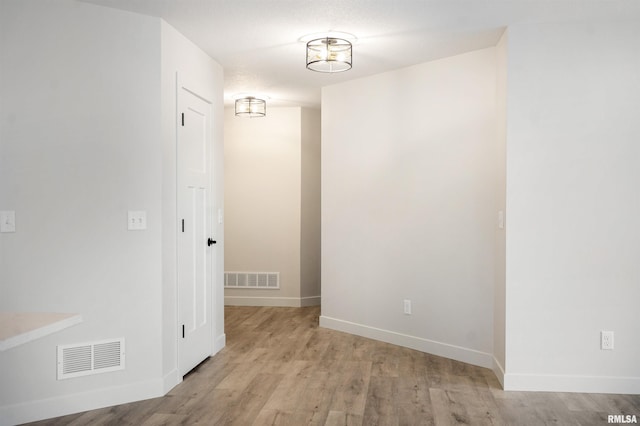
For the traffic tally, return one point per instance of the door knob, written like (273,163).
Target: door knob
(210,242)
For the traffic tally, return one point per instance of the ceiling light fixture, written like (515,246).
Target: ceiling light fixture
(251,107)
(329,54)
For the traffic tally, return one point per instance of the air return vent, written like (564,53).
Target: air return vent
(90,358)
(261,280)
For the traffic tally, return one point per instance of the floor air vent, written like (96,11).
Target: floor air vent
(262,280)
(90,358)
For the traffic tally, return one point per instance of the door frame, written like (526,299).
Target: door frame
(187,84)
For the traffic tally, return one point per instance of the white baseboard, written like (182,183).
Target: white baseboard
(310,301)
(170,380)
(74,403)
(498,370)
(566,383)
(219,343)
(291,302)
(458,353)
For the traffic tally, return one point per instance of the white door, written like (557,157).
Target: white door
(195,296)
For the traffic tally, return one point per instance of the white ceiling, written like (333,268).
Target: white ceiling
(257,41)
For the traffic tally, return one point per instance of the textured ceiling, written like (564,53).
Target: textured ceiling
(258,41)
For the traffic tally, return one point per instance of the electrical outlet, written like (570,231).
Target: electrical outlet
(407,307)
(606,340)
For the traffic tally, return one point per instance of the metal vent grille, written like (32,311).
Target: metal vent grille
(262,280)
(90,358)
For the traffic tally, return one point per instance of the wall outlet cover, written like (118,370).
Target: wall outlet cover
(136,220)
(606,340)
(407,307)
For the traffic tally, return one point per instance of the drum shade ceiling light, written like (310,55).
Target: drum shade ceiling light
(251,107)
(329,54)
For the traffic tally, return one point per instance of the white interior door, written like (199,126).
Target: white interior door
(195,296)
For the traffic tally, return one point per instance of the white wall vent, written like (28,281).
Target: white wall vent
(90,358)
(261,280)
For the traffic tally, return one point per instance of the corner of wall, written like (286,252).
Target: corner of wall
(498,370)
(310,227)
(499,299)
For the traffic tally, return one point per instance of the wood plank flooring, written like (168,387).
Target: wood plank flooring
(280,368)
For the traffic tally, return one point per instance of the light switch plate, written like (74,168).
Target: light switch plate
(137,220)
(8,221)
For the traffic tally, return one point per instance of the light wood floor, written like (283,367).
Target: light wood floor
(279,368)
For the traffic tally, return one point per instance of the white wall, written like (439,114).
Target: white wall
(262,199)
(81,142)
(573,207)
(409,182)
(272,190)
(80,128)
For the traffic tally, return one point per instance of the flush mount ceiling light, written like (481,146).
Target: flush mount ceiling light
(251,107)
(329,54)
